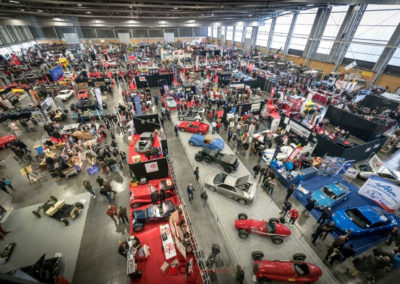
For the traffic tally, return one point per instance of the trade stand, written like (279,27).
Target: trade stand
(377,102)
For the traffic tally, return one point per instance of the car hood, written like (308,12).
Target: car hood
(251,192)
(210,179)
(344,223)
(229,159)
(322,199)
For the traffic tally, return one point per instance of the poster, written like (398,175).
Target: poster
(151,167)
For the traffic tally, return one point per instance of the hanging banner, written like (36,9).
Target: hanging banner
(197,63)
(151,167)
(385,193)
(99,98)
(294,154)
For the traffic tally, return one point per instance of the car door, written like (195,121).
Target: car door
(227,190)
(192,128)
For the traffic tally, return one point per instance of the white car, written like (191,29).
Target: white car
(282,155)
(366,171)
(65,95)
(171,103)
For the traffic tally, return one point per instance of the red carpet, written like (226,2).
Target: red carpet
(143,158)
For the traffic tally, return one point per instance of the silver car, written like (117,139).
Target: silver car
(145,142)
(238,189)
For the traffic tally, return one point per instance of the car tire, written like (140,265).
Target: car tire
(277,240)
(242,216)
(8,145)
(207,159)
(53,198)
(257,255)
(228,169)
(242,201)
(243,234)
(37,214)
(191,143)
(198,158)
(299,257)
(79,205)
(138,228)
(273,220)
(63,222)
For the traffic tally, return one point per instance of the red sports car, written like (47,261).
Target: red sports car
(83,94)
(145,194)
(194,127)
(6,141)
(295,270)
(272,228)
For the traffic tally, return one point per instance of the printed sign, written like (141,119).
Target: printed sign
(299,130)
(151,167)
(375,163)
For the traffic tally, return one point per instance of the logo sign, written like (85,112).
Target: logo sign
(151,167)
(385,193)
(351,173)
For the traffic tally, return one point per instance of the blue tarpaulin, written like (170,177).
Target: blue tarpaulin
(56,73)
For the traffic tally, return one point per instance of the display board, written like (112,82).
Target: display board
(169,37)
(146,123)
(153,169)
(71,38)
(124,38)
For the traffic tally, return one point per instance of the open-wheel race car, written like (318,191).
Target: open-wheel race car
(140,196)
(295,270)
(153,213)
(229,162)
(58,210)
(273,229)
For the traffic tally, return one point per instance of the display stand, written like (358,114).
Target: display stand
(167,242)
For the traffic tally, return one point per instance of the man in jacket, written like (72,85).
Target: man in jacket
(190,191)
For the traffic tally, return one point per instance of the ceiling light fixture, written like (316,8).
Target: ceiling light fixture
(130,7)
(39,10)
(22,10)
(88,12)
(57,19)
(79,5)
(13,1)
(191,21)
(175,8)
(162,22)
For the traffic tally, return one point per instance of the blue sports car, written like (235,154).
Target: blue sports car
(365,220)
(330,195)
(206,141)
(153,213)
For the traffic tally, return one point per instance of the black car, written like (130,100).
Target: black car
(16,113)
(87,104)
(228,161)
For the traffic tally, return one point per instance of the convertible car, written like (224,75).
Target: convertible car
(362,221)
(272,228)
(194,127)
(239,189)
(207,141)
(295,270)
(145,194)
(145,142)
(153,213)
(330,195)
(171,103)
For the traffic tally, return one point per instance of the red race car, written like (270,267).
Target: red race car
(272,228)
(295,270)
(145,194)
(83,94)
(194,127)
(6,141)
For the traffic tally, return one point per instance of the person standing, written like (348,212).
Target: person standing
(123,215)
(309,206)
(204,197)
(271,183)
(239,274)
(290,191)
(89,188)
(328,229)
(3,187)
(294,215)
(256,170)
(285,208)
(213,126)
(24,125)
(7,182)
(326,213)
(176,130)
(320,229)
(112,212)
(190,191)
(196,173)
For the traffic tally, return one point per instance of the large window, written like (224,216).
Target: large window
(215,31)
(248,32)
(332,28)
(302,29)
(281,31)
(263,33)
(229,33)
(396,58)
(223,29)
(373,33)
(209,31)
(238,33)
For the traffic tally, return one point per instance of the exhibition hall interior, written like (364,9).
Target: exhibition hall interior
(199,141)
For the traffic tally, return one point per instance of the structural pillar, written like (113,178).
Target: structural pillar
(290,33)
(271,34)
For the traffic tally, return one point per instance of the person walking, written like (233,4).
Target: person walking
(190,191)
(196,173)
(239,274)
(213,126)
(204,197)
(290,191)
(8,183)
(326,215)
(112,212)
(3,187)
(256,170)
(176,130)
(108,187)
(123,215)
(347,252)
(89,188)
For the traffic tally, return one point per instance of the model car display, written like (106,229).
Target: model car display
(295,270)
(284,153)
(229,162)
(145,142)
(330,195)
(171,103)
(207,141)
(65,95)
(57,209)
(5,141)
(140,196)
(271,228)
(83,94)
(87,104)
(239,189)
(194,127)
(153,213)
(16,113)
(191,114)
(362,221)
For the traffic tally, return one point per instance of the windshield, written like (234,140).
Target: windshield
(358,218)
(342,187)
(219,178)
(329,193)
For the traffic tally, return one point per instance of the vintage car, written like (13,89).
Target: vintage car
(145,142)
(65,95)
(229,162)
(16,113)
(191,114)
(207,141)
(145,194)
(171,103)
(239,189)
(194,127)
(153,213)
(83,94)
(330,195)
(365,171)
(362,221)
(272,228)
(294,271)
(6,141)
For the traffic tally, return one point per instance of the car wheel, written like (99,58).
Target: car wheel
(242,216)
(277,240)
(182,129)
(198,158)
(191,143)
(242,201)
(53,198)
(299,257)
(257,255)
(138,228)
(228,169)
(37,214)
(207,159)
(63,222)
(273,220)
(243,234)
(78,205)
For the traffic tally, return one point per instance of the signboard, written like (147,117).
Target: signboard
(99,97)
(299,130)
(169,37)
(151,167)
(142,78)
(383,192)
(294,153)
(351,173)
(255,107)
(124,38)
(375,163)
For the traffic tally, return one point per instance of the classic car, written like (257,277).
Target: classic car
(239,189)
(16,113)
(272,228)
(64,95)
(365,171)
(171,103)
(5,141)
(153,213)
(364,220)
(207,141)
(283,154)
(330,195)
(295,270)
(145,142)
(228,161)
(145,194)
(194,127)
(83,94)
(191,114)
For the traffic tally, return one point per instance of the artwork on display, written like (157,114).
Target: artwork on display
(151,167)
(331,165)
(385,193)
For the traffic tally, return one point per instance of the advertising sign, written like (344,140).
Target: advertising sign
(375,163)
(151,167)
(299,130)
